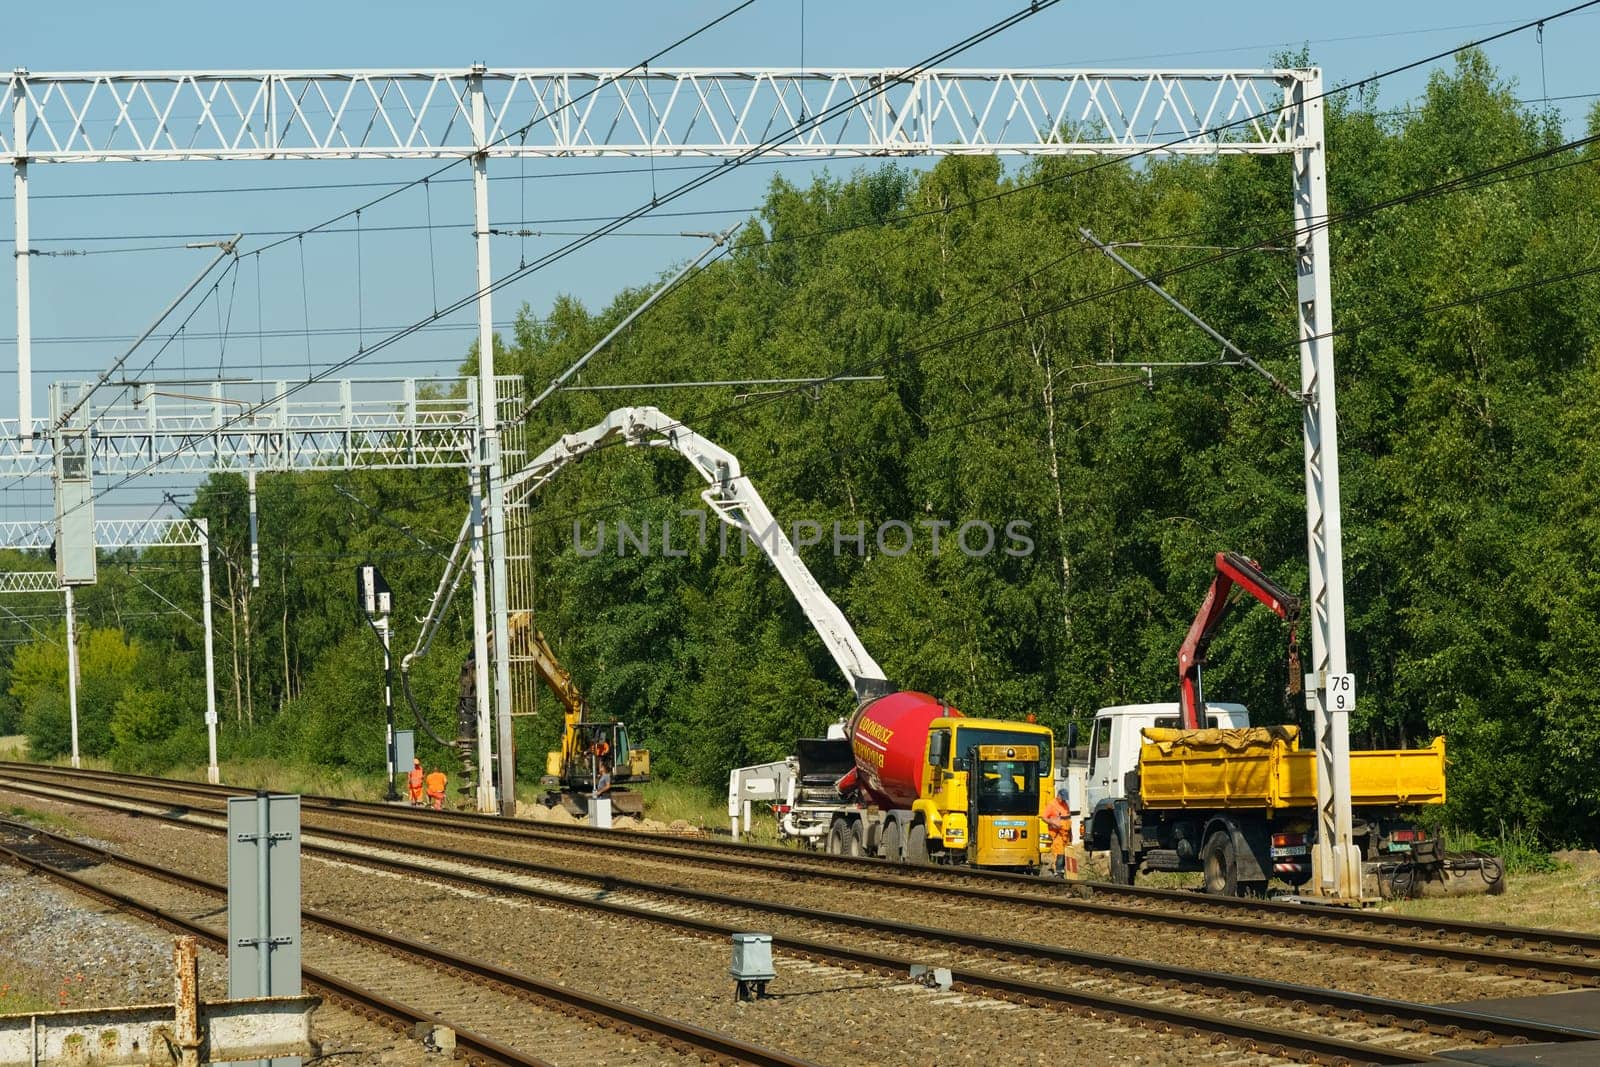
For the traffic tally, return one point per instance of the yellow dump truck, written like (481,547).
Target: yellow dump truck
(1236,802)
(1262,768)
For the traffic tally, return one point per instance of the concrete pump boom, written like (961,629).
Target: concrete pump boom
(734,500)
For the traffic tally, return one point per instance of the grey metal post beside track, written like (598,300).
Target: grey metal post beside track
(264,899)
(1330,689)
(391,757)
(202,528)
(480,653)
(493,476)
(22,254)
(72,670)
(255,531)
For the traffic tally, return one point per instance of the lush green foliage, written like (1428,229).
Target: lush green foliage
(1467,454)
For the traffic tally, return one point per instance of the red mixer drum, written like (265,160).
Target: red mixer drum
(889,740)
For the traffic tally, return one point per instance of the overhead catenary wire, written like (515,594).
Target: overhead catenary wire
(503,228)
(1461,181)
(299,236)
(728,166)
(547,116)
(1258,246)
(1580,6)
(1468,182)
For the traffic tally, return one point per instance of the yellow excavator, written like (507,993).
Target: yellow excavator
(595,756)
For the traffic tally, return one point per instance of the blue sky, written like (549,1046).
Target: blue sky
(82,304)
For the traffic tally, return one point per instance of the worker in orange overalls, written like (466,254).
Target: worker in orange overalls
(414,782)
(436,784)
(1058,817)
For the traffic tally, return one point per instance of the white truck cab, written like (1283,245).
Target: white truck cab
(1114,744)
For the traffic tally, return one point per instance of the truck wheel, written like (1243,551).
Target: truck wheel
(916,847)
(1121,870)
(892,844)
(1221,865)
(838,836)
(855,843)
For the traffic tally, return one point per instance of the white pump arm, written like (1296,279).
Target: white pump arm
(735,501)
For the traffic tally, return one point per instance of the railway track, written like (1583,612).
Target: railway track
(1225,1006)
(530,1019)
(1568,957)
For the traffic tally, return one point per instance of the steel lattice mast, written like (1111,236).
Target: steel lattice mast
(476,114)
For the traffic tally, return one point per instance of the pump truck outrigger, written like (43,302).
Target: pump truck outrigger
(1192,786)
(908,777)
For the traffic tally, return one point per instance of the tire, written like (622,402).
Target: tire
(855,838)
(838,838)
(893,849)
(1122,872)
(916,845)
(1221,865)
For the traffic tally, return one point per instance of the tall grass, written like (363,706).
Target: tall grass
(1517,847)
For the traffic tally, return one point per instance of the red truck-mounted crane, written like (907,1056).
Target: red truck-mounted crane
(1233,569)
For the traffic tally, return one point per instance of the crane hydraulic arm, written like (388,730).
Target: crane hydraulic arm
(735,501)
(1233,569)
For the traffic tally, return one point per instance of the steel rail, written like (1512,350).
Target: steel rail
(1442,1020)
(650,1026)
(364,1001)
(1257,1037)
(740,853)
(873,872)
(1379,1007)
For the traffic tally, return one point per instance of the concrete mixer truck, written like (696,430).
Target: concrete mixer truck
(906,777)
(910,779)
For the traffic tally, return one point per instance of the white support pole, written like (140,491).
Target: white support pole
(72,671)
(1329,691)
(23,256)
(382,626)
(255,540)
(480,654)
(490,451)
(213,775)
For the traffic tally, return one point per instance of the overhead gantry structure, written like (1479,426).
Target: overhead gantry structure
(477,114)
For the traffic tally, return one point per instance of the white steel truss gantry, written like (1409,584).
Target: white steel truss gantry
(206,426)
(113,534)
(477,114)
(395,114)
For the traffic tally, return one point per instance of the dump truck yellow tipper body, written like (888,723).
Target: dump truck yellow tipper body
(1262,768)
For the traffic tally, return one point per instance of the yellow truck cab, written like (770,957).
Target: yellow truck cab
(983,799)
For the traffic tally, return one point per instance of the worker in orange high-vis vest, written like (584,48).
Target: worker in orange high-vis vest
(436,784)
(1058,817)
(414,783)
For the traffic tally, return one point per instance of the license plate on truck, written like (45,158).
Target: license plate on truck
(1292,850)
